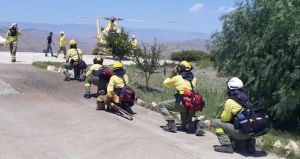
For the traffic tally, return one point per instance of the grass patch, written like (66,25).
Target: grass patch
(283,136)
(44,65)
(204,64)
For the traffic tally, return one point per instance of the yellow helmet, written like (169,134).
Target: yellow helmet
(117,65)
(184,65)
(72,42)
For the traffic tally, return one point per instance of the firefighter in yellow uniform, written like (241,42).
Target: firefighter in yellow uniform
(224,127)
(62,44)
(134,42)
(97,75)
(12,39)
(115,85)
(72,57)
(180,80)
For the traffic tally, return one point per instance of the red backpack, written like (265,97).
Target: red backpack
(192,99)
(127,94)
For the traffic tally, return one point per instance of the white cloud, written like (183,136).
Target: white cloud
(230,9)
(196,8)
(221,9)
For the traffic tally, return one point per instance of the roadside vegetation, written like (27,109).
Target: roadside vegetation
(44,65)
(259,43)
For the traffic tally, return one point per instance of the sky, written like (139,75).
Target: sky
(194,15)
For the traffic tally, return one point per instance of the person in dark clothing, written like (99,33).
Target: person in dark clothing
(49,44)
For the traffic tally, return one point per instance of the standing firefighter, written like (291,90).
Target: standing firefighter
(12,39)
(134,42)
(117,86)
(73,61)
(184,81)
(225,128)
(97,75)
(62,44)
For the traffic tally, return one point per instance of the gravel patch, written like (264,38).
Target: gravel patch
(7,89)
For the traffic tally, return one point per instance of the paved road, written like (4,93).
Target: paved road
(49,119)
(30,57)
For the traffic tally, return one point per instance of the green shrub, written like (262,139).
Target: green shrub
(190,55)
(259,43)
(120,44)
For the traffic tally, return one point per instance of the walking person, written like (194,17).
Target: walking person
(62,45)
(49,44)
(12,39)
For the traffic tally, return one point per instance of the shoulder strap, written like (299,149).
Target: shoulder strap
(78,54)
(192,85)
(124,81)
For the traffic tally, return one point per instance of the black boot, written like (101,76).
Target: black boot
(250,146)
(200,128)
(223,148)
(87,96)
(171,126)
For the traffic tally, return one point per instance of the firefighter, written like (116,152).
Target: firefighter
(12,39)
(134,42)
(73,56)
(62,44)
(224,127)
(181,79)
(116,83)
(97,75)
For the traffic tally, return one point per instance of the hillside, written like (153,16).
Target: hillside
(34,36)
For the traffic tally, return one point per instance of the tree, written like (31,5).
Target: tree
(147,60)
(260,43)
(120,44)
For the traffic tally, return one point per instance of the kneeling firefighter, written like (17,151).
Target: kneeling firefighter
(74,61)
(97,75)
(239,123)
(117,87)
(184,81)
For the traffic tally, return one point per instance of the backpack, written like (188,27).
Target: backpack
(127,94)
(81,65)
(103,73)
(192,99)
(254,122)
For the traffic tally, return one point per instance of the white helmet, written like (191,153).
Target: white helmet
(14,25)
(61,32)
(235,83)
(133,36)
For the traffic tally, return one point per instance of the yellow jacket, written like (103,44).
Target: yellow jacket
(179,83)
(10,38)
(134,43)
(94,67)
(115,82)
(62,41)
(231,108)
(73,54)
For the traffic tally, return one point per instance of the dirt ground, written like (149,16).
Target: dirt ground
(50,119)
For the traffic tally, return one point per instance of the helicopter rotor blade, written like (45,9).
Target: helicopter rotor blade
(155,21)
